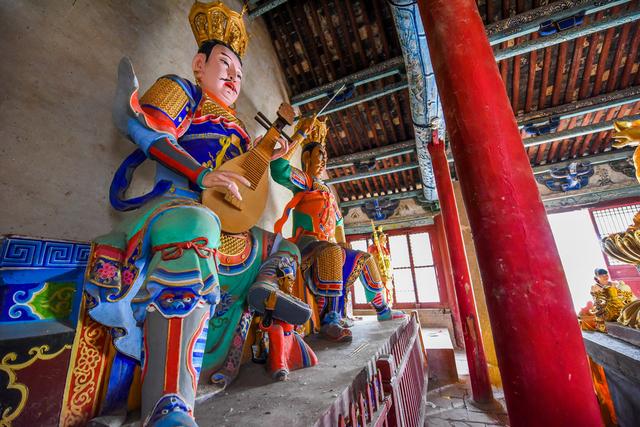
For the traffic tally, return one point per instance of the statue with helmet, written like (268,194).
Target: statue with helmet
(329,266)
(381,254)
(169,288)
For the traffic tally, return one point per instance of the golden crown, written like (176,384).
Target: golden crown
(317,133)
(216,22)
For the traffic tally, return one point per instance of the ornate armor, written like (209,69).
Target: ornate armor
(172,296)
(329,268)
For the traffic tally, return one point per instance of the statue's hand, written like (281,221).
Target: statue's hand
(224,181)
(306,123)
(281,150)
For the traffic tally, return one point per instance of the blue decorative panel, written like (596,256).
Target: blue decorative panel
(14,302)
(20,252)
(41,280)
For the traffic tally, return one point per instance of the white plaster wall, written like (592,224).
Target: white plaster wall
(59,148)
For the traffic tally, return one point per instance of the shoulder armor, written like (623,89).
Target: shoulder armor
(173,96)
(299,179)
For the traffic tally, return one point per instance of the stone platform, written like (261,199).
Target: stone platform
(254,399)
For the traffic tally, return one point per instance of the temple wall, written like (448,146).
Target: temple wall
(59,147)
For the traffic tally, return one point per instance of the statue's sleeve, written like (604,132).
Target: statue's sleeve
(167,109)
(288,176)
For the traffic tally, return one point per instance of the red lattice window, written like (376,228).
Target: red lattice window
(415,260)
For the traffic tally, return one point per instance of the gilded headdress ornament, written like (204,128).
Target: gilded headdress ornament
(317,133)
(216,22)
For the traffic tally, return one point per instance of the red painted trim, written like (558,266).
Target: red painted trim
(191,174)
(615,204)
(174,349)
(447,276)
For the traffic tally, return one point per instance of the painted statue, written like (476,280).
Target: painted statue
(625,246)
(627,134)
(283,348)
(171,286)
(381,254)
(609,299)
(328,265)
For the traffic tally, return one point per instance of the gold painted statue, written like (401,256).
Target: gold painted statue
(628,134)
(382,256)
(611,299)
(625,246)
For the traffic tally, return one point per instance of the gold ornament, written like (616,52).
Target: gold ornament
(9,367)
(217,22)
(317,133)
(166,95)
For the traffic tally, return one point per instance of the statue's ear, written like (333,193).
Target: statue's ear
(198,63)
(305,159)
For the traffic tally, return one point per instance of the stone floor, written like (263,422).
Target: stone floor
(451,405)
(301,401)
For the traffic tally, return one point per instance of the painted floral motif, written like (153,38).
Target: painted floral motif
(128,277)
(107,271)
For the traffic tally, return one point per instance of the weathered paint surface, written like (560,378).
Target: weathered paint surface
(540,350)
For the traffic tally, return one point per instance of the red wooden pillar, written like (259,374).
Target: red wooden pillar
(478,372)
(540,351)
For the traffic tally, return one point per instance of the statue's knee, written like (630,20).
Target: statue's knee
(329,263)
(290,248)
(185,224)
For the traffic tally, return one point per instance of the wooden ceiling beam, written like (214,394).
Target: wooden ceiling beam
(529,22)
(379,71)
(563,36)
(264,8)
(631,58)
(393,196)
(363,175)
(573,133)
(621,49)
(582,107)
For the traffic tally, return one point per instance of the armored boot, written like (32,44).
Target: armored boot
(374,291)
(181,291)
(332,327)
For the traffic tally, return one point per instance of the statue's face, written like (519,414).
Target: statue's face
(220,75)
(286,283)
(315,161)
(383,239)
(603,279)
